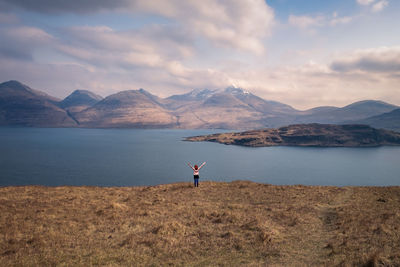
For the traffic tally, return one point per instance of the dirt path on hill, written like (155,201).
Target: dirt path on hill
(307,240)
(329,224)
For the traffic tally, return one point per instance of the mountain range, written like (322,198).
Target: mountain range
(230,108)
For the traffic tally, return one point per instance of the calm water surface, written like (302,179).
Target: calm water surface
(115,157)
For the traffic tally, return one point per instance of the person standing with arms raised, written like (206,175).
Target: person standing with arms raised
(196,170)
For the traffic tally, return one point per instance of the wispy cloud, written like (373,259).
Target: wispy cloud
(20,42)
(336,20)
(365,2)
(310,23)
(376,6)
(379,6)
(305,22)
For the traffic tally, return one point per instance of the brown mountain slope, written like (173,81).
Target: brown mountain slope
(308,135)
(232,108)
(79,100)
(221,110)
(23,106)
(131,108)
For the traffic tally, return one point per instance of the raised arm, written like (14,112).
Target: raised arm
(204,163)
(190,166)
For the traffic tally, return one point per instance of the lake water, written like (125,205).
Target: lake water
(122,157)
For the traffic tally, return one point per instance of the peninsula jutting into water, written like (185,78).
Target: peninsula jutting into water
(324,135)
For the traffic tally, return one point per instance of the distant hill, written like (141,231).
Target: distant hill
(389,120)
(353,112)
(325,135)
(321,109)
(23,106)
(79,100)
(132,108)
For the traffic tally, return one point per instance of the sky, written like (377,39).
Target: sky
(304,53)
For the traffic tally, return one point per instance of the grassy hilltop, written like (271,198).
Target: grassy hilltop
(228,224)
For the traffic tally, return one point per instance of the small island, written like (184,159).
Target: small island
(316,135)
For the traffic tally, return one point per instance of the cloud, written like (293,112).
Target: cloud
(365,2)
(100,47)
(234,24)
(305,22)
(384,59)
(20,42)
(336,20)
(103,47)
(379,6)
(313,84)
(308,23)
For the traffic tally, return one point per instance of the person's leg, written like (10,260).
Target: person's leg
(196,182)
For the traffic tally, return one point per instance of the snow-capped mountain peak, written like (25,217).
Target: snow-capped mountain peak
(236,90)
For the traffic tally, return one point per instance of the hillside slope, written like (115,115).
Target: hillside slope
(353,112)
(23,106)
(389,120)
(232,108)
(79,100)
(216,224)
(133,108)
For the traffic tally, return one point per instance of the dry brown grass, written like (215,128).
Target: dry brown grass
(217,224)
